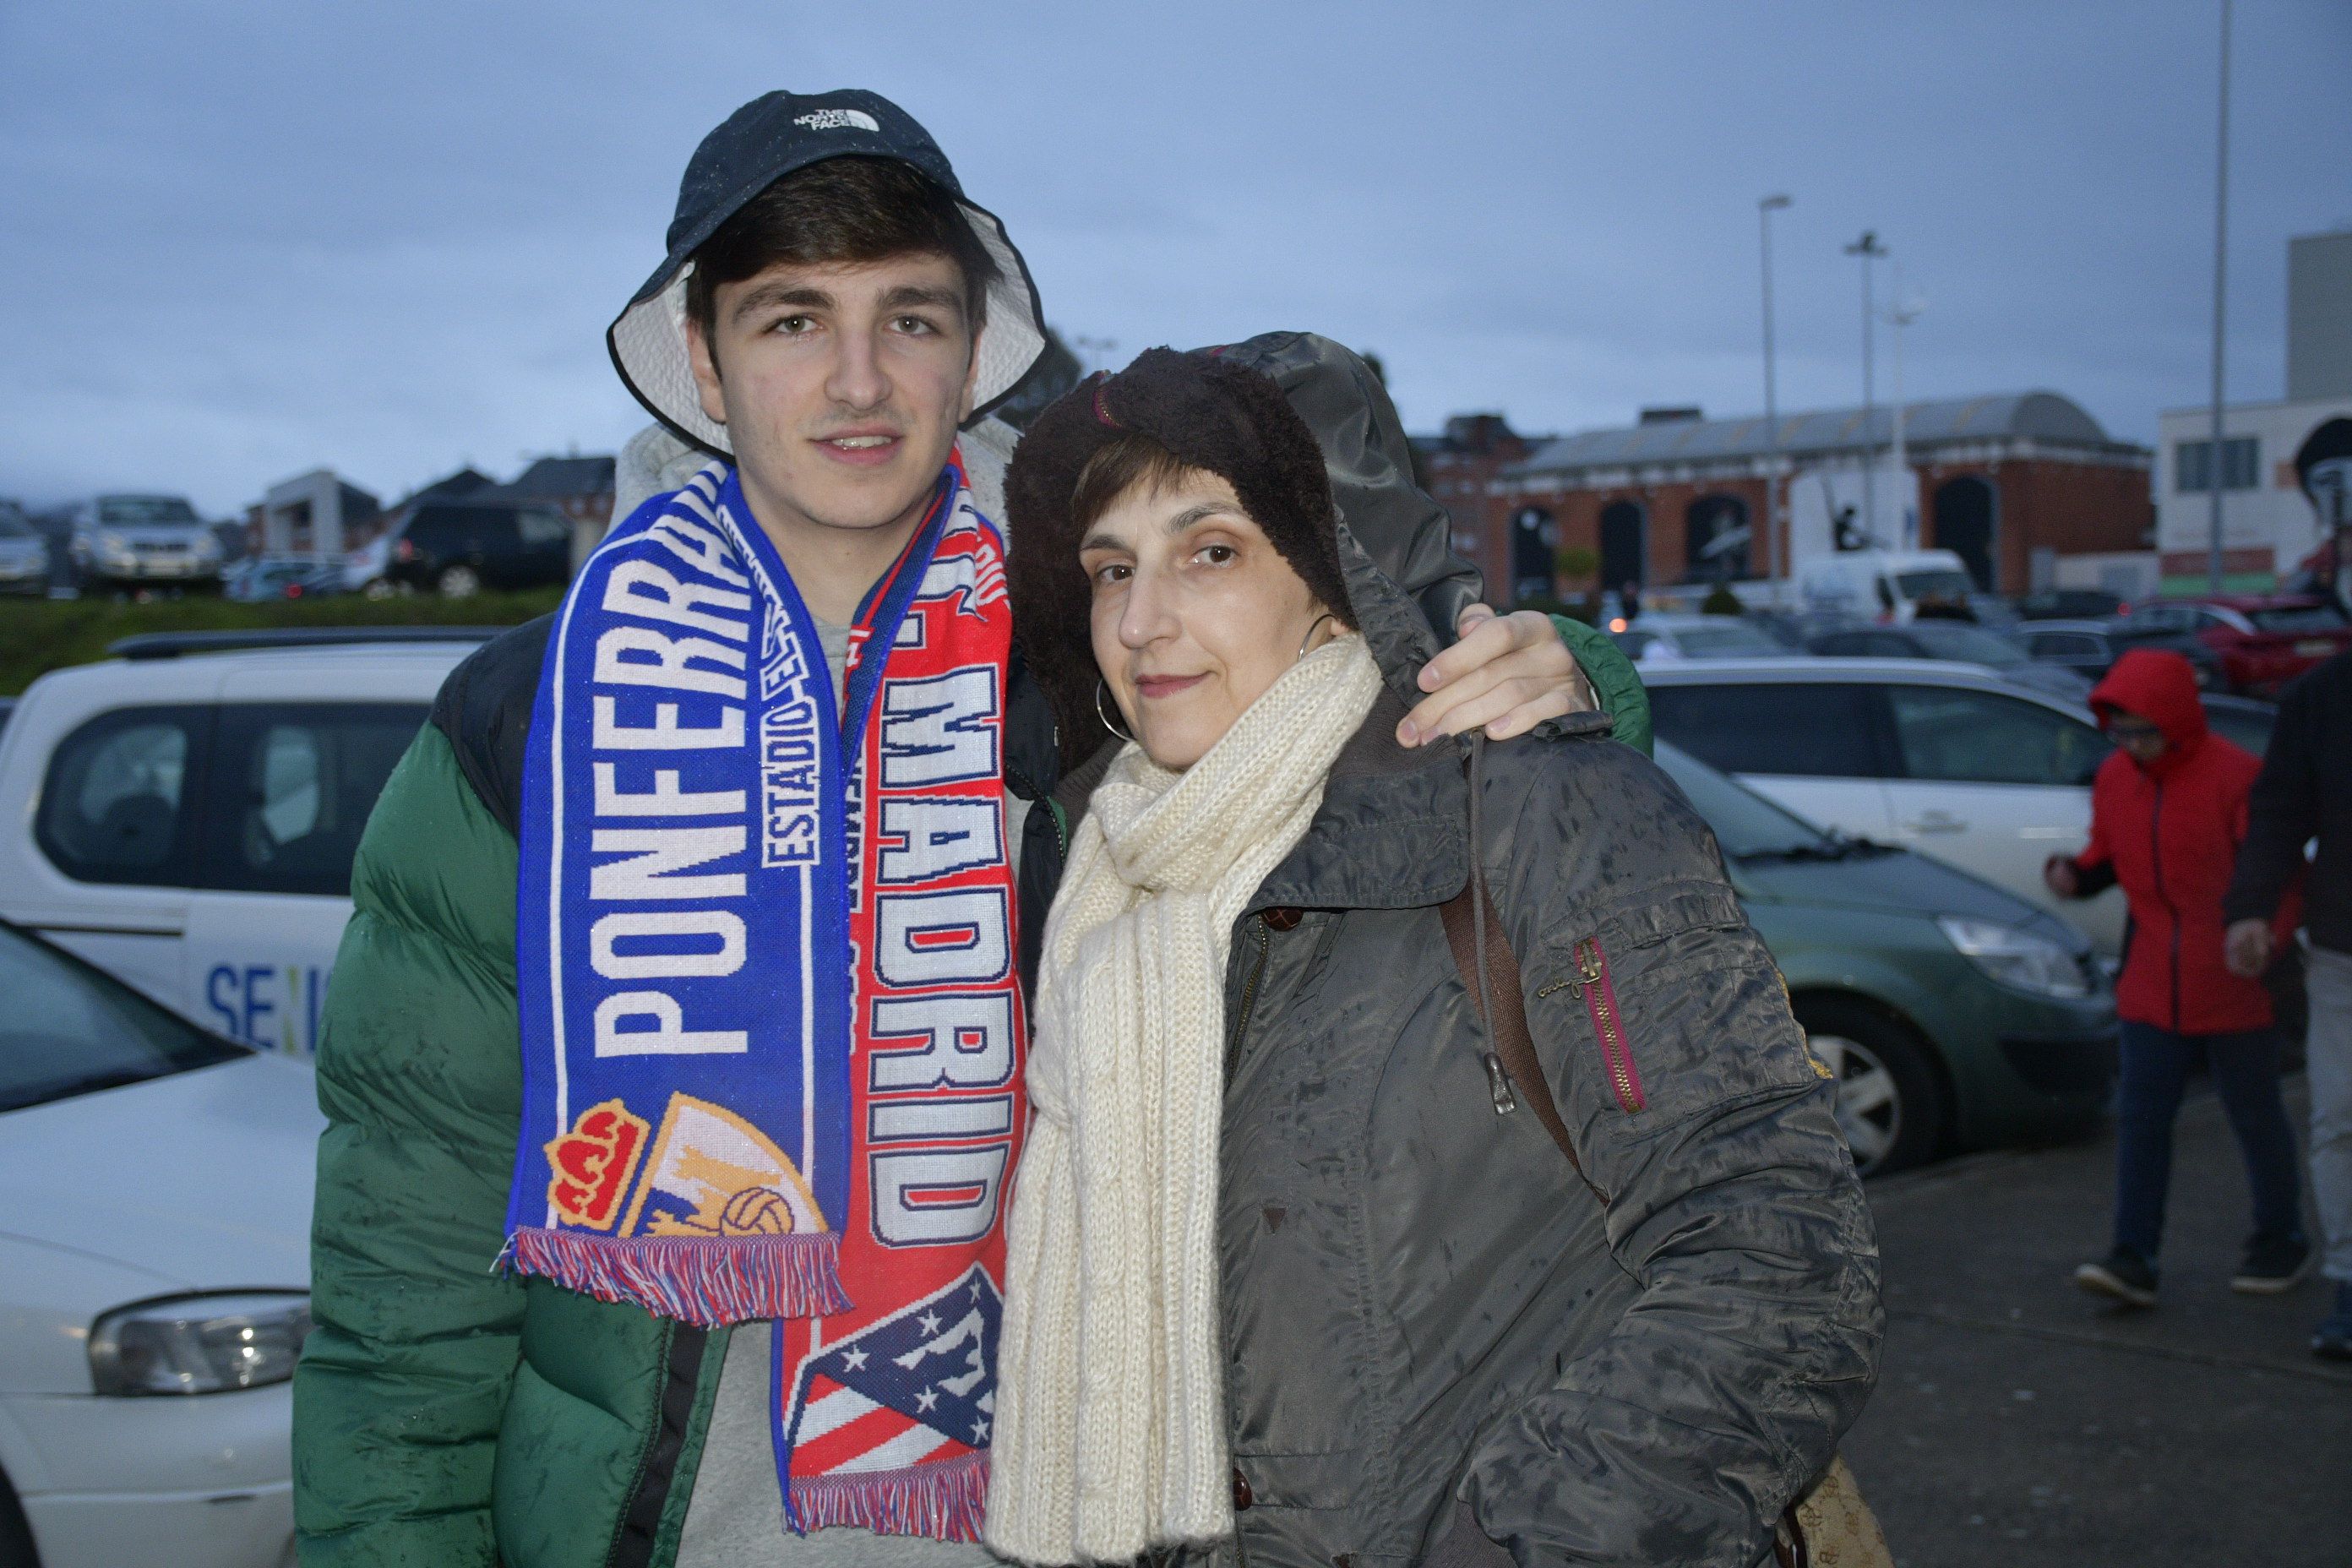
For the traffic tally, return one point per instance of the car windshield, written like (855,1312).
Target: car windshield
(14,526)
(70,1031)
(1972,643)
(1730,640)
(1747,826)
(1939,582)
(2298,619)
(134,511)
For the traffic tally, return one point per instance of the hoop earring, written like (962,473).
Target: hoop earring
(1101,688)
(1309,637)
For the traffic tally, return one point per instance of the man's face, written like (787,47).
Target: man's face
(841,387)
(2139,738)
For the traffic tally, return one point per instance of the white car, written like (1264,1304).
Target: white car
(154,1269)
(1947,759)
(128,542)
(185,818)
(1653,638)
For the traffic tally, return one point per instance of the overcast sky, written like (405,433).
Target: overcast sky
(245,240)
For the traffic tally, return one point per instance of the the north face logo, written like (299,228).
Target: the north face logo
(839,119)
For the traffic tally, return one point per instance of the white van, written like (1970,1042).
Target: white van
(184,816)
(1881,585)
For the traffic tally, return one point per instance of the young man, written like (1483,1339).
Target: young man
(2168,815)
(673,1061)
(2304,794)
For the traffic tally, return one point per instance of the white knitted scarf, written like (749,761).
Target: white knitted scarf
(1110,1431)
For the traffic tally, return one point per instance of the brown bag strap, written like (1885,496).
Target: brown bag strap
(1508,1027)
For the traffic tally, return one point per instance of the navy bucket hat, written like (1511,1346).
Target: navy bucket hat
(759,143)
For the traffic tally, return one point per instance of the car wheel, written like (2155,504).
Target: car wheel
(379,588)
(1889,1105)
(15,1534)
(458,582)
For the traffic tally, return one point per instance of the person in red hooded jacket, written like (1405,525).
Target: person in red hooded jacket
(2168,814)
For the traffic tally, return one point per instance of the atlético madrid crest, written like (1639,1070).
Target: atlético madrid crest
(917,1387)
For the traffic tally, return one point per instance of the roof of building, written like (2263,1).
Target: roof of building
(552,478)
(2041,416)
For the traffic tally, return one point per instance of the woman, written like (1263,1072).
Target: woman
(1281,1275)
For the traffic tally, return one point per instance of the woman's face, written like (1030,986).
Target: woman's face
(1196,612)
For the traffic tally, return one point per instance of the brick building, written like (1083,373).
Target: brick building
(2012,484)
(1458,466)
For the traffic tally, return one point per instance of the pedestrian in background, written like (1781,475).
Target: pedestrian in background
(2306,792)
(2167,812)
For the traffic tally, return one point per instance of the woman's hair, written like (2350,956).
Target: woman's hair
(1133,461)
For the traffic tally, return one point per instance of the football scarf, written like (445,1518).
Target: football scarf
(770,1026)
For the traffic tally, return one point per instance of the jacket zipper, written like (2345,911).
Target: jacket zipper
(1249,997)
(1601,1002)
(2155,866)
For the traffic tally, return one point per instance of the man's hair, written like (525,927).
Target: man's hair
(1129,462)
(841,210)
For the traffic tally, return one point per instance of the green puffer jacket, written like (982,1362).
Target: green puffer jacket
(446,1415)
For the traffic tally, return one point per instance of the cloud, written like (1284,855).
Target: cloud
(245,240)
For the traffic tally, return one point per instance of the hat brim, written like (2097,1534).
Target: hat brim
(649,348)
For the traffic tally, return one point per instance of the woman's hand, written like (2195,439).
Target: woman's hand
(1508,673)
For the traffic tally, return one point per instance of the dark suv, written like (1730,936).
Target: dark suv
(457,549)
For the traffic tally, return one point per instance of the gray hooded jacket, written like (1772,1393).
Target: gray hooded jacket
(1440,1342)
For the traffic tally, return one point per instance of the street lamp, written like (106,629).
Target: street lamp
(1773,550)
(1900,313)
(1869,249)
(2220,275)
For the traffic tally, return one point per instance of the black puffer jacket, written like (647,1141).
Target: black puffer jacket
(1430,1324)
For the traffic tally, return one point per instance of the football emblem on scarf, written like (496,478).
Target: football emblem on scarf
(918,1386)
(714,1173)
(593,1162)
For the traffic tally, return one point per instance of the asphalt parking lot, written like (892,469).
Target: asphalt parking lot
(2019,1423)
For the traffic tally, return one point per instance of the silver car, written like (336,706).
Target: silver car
(24,553)
(143,541)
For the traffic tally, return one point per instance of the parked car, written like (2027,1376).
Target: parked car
(2260,641)
(268,578)
(457,549)
(1954,1015)
(2070,605)
(24,553)
(1954,640)
(2243,722)
(190,813)
(155,1275)
(2089,648)
(1948,759)
(1657,636)
(132,543)
(1887,584)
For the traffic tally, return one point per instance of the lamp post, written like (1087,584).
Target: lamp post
(1900,313)
(1774,546)
(2221,268)
(1869,249)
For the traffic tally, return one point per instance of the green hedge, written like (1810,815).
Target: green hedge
(40,635)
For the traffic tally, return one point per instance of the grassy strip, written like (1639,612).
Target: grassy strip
(41,634)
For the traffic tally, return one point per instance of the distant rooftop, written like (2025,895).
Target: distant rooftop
(2041,416)
(555,479)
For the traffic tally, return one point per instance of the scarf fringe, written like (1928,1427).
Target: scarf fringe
(946,1500)
(702,1280)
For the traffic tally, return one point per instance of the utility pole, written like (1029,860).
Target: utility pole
(1775,546)
(1900,313)
(2221,272)
(1869,249)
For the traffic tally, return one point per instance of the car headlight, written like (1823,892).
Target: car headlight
(199,1345)
(207,547)
(113,543)
(2015,957)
